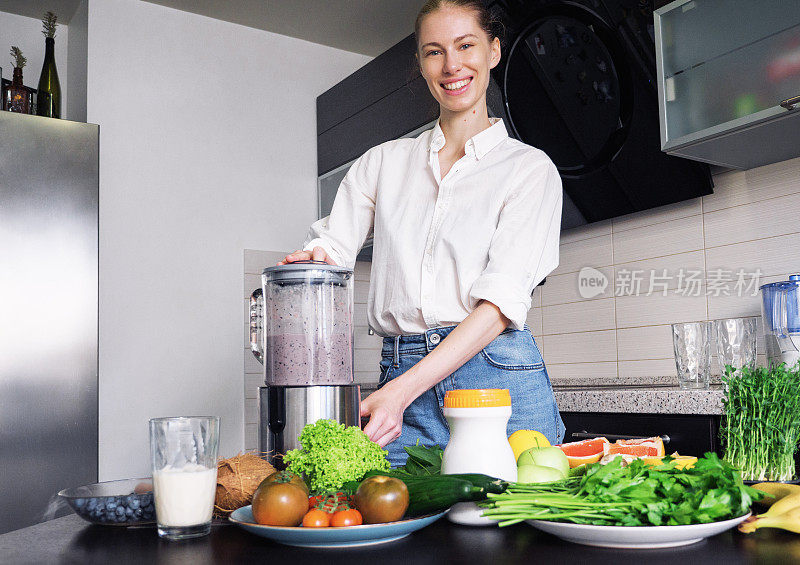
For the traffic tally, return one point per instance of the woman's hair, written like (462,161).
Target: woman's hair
(492,27)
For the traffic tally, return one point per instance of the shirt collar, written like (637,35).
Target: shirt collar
(479,144)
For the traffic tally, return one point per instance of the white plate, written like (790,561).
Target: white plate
(635,537)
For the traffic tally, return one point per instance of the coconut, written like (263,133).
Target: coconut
(237,480)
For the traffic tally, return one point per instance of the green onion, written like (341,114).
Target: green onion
(636,495)
(761,425)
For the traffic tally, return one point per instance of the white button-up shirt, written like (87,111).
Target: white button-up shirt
(488,230)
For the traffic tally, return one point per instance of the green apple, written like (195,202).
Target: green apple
(538,474)
(546,456)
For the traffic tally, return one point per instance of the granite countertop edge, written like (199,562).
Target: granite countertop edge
(630,395)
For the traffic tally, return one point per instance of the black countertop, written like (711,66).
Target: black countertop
(71,540)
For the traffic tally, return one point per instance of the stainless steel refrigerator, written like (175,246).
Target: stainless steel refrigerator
(48,312)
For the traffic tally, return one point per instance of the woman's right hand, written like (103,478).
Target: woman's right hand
(318,254)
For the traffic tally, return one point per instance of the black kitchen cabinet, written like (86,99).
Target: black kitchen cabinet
(688,434)
(383,100)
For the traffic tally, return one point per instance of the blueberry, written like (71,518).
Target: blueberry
(92,504)
(133,503)
(79,502)
(149,507)
(120,511)
(121,518)
(147,499)
(138,512)
(111,505)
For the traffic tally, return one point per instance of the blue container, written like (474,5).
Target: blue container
(779,319)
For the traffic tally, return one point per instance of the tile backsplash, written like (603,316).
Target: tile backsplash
(686,257)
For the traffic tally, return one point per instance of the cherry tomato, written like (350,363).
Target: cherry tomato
(316,518)
(333,502)
(351,517)
(381,499)
(279,504)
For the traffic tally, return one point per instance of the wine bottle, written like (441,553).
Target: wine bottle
(48,97)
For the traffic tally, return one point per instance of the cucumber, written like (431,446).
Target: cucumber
(487,483)
(435,494)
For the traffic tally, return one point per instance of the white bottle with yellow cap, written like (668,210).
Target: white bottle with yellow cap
(478,443)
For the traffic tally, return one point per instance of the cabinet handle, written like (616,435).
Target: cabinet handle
(790,102)
(590,435)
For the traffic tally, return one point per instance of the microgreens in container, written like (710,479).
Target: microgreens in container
(761,425)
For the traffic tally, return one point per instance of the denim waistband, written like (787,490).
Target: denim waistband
(419,343)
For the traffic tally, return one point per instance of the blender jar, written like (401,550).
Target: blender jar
(307,321)
(780,310)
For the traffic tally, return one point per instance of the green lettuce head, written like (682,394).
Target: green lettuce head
(333,454)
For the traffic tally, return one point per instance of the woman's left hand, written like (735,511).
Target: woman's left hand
(385,408)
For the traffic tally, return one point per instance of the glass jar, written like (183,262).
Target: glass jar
(307,324)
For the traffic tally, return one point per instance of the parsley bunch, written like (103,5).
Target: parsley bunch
(635,495)
(333,454)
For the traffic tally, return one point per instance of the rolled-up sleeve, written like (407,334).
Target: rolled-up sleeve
(342,233)
(524,248)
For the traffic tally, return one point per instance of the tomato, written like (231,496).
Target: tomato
(381,499)
(331,502)
(351,517)
(287,477)
(279,504)
(316,518)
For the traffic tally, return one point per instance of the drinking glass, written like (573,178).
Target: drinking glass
(692,343)
(736,342)
(184,457)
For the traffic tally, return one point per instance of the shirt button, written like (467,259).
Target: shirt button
(435,338)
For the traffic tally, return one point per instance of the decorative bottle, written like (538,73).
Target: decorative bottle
(17,93)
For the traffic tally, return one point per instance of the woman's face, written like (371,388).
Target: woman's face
(455,56)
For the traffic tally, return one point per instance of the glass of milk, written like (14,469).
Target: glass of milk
(184,455)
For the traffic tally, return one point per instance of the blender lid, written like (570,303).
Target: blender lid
(308,271)
(794,281)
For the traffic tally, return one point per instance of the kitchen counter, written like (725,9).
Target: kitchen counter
(639,400)
(71,540)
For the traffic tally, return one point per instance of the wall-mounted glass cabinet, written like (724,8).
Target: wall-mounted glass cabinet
(725,67)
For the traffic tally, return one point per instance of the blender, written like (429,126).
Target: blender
(781,315)
(301,330)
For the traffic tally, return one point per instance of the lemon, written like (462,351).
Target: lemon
(681,461)
(522,440)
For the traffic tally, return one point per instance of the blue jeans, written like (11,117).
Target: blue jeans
(512,360)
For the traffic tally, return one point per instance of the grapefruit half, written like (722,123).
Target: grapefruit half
(583,452)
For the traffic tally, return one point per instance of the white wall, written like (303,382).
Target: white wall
(26,33)
(207,147)
(77,59)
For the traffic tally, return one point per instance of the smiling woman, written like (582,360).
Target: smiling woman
(466,223)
